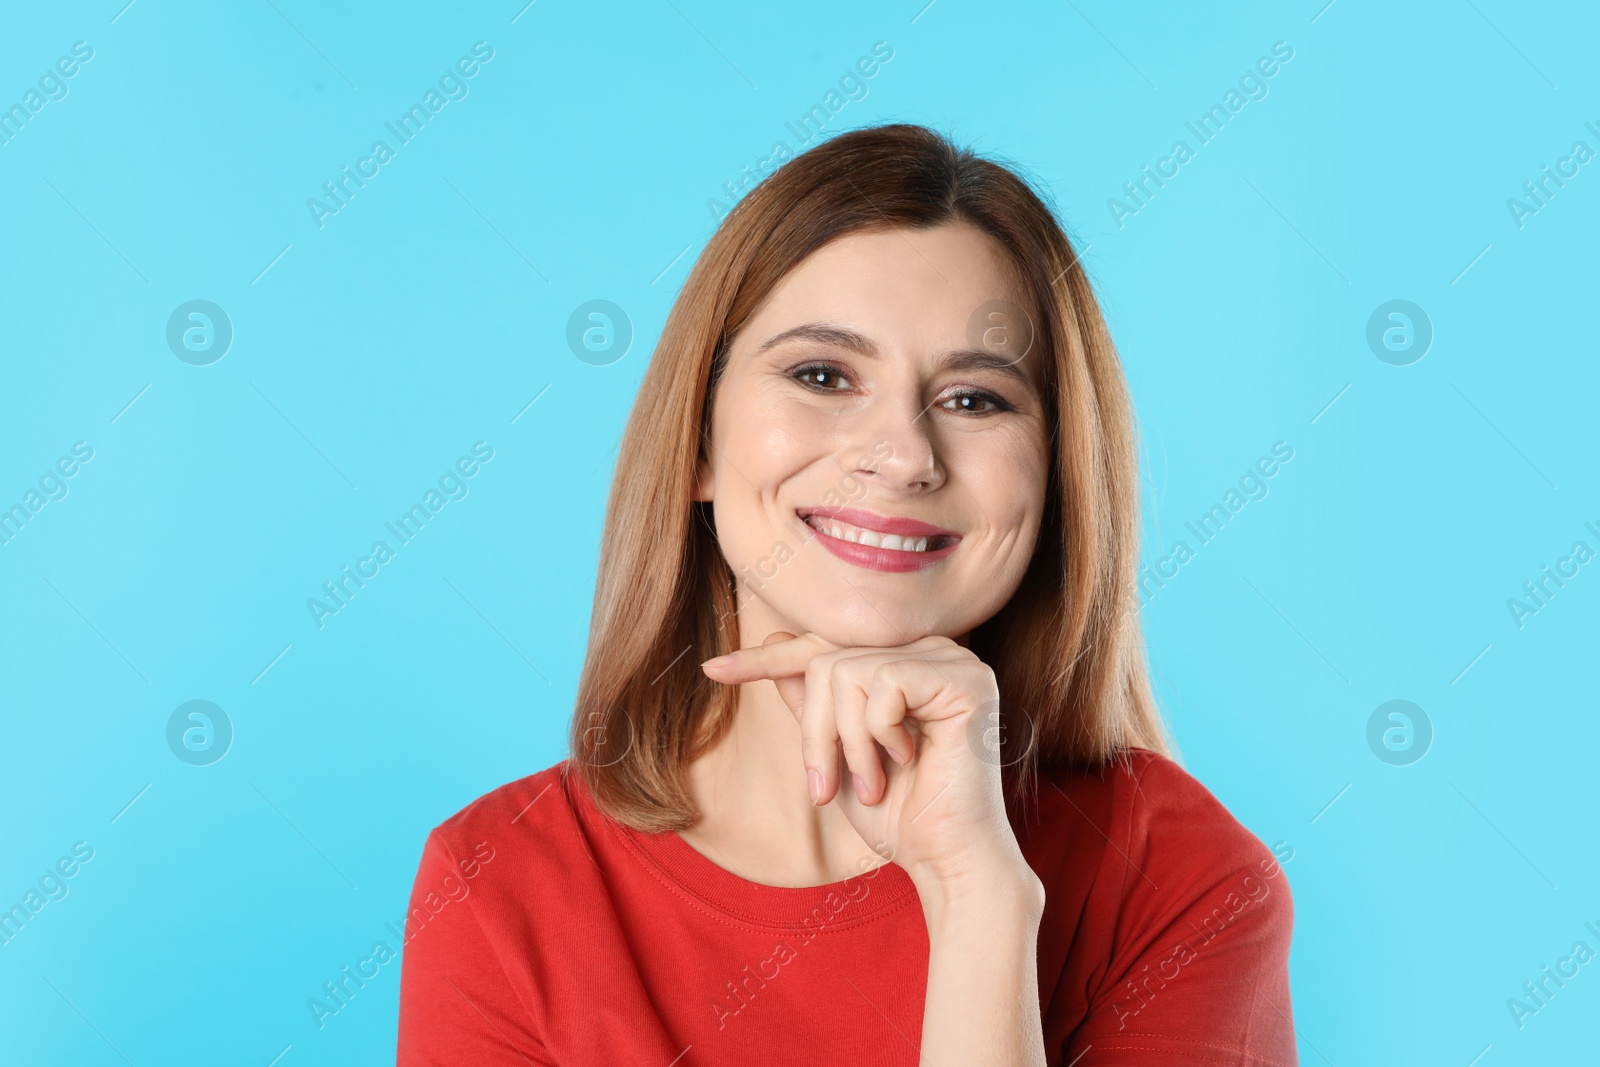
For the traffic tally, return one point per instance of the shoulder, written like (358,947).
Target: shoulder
(513,800)
(1144,800)
(1165,842)
(527,816)
(1158,798)
(475,901)
(1170,817)
(520,856)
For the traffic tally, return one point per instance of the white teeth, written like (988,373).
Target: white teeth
(871,538)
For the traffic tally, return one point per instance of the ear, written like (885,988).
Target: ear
(703,482)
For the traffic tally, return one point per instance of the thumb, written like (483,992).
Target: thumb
(792,689)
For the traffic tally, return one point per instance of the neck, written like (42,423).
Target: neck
(758,820)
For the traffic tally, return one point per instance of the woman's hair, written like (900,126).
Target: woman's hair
(1066,649)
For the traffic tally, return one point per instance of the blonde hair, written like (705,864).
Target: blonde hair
(1067,650)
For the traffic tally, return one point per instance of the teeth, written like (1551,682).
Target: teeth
(871,538)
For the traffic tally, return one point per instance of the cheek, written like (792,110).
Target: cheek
(759,444)
(765,436)
(1011,469)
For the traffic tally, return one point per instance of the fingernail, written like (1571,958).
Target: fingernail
(718,661)
(861,788)
(814,784)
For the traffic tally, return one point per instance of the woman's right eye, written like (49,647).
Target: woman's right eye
(823,377)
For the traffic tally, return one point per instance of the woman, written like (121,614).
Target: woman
(865,766)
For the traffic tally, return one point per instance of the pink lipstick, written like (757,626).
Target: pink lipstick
(893,544)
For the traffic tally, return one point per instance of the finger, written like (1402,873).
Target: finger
(937,688)
(791,688)
(778,659)
(846,679)
(885,715)
(882,718)
(819,734)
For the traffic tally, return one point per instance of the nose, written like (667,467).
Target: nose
(896,447)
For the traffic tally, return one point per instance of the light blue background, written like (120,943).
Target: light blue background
(371,353)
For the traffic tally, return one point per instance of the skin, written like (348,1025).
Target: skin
(852,743)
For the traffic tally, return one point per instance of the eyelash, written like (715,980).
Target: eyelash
(801,373)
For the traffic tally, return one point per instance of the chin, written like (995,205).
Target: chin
(876,631)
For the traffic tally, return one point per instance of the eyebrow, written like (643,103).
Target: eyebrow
(843,337)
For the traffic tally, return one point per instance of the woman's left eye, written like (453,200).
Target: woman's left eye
(975,403)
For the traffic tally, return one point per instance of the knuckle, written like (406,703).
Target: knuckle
(885,674)
(961,654)
(880,720)
(979,672)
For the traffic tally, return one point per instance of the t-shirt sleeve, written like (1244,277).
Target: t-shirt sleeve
(1199,969)
(456,1004)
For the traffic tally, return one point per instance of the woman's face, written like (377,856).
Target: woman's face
(878,454)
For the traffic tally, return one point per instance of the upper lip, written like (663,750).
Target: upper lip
(885,524)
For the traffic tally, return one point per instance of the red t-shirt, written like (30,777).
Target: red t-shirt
(541,932)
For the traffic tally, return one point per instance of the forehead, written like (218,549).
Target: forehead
(920,287)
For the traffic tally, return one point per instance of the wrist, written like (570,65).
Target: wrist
(998,895)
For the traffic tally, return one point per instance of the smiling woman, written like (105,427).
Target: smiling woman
(913,768)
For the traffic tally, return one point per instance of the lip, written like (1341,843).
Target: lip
(886,524)
(889,560)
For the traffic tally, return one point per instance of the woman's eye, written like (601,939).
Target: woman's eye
(820,376)
(974,403)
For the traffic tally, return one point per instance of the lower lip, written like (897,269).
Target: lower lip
(880,559)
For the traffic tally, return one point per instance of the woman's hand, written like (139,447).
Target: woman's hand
(936,806)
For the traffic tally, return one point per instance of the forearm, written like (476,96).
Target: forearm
(982,1005)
